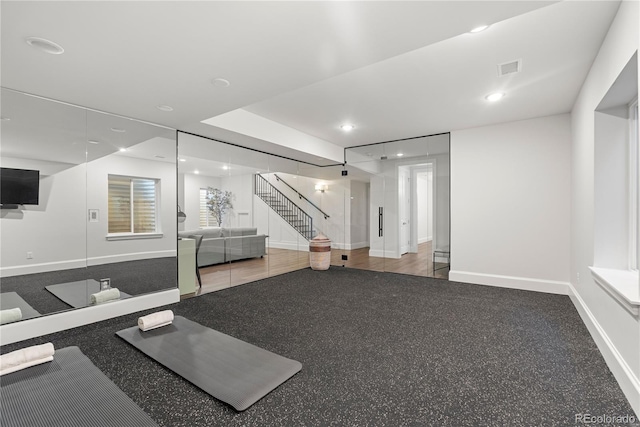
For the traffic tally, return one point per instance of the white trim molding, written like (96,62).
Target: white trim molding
(133,236)
(44,267)
(629,383)
(622,285)
(292,246)
(349,246)
(522,283)
(48,324)
(136,256)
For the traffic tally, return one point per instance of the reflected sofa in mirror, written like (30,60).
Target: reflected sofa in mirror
(56,250)
(275,210)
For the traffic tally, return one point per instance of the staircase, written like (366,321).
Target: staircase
(283,206)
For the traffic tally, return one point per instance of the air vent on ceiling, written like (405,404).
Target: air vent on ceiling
(510,67)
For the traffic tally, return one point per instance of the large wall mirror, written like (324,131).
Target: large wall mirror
(408,182)
(275,206)
(88,208)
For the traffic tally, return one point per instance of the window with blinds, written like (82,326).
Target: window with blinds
(206,218)
(133,205)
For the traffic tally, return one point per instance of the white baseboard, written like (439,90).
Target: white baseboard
(383,254)
(291,246)
(349,246)
(48,324)
(110,259)
(44,267)
(425,239)
(305,247)
(20,270)
(522,283)
(629,383)
(358,245)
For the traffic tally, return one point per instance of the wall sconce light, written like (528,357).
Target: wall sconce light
(322,187)
(182,217)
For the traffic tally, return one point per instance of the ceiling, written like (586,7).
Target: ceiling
(394,69)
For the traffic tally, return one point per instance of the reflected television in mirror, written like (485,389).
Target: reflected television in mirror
(19,187)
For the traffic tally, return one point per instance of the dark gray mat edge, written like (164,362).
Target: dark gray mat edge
(68,391)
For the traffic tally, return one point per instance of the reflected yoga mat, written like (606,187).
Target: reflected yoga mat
(68,391)
(78,294)
(9,300)
(231,370)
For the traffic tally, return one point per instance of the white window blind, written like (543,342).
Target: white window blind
(206,218)
(133,205)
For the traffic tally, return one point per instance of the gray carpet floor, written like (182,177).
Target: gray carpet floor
(131,277)
(378,349)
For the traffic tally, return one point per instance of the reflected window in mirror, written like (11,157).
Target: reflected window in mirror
(133,206)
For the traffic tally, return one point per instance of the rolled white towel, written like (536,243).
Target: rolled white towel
(10,315)
(155,320)
(26,357)
(104,296)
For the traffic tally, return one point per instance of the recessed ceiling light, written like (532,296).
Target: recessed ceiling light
(93,142)
(225,167)
(164,108)
(494,96)
(45,45)
(479,29)
(123,150)
(196,172)
(347,127)
(220,82)
(183,160)
(400,154)
(118,130)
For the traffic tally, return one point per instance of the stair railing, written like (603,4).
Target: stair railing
(301,196)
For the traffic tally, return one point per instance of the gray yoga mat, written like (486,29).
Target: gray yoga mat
(231,370)
(78,294)
(9,300)
(69,391)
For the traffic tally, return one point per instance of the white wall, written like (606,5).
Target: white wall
(191,197)
(614,329)
(510,204)
(54,231)
(99,249)
(441,201)
(335,201)
(425,206)
(242,189)
(611,238)
(57,231)
(359,217)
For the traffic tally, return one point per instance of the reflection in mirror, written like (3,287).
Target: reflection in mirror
(275,210)
(56,250)
(408,210)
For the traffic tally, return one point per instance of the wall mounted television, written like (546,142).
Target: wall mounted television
(19,186)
